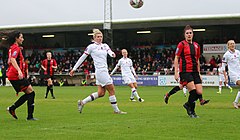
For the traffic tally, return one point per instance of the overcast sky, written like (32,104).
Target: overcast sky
(16,12)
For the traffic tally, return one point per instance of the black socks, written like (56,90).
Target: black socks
(49,88)
(20,101)
(193,96)
(30,104)
(174,90)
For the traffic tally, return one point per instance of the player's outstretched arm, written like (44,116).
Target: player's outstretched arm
(71,73)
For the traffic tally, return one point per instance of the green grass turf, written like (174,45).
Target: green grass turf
(152,119)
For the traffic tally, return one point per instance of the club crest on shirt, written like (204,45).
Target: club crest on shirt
(102,47)
(177,50)
(14,53)
(196,46)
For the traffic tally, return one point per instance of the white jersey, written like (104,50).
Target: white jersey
(220,74)
(220,70)
(99,54)
(126,66)
(233,62)
(127,70)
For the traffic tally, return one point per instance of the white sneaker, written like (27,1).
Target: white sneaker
(80,106)
(132,100)
(185,94)
(120,112)
(141,100)
(235,105)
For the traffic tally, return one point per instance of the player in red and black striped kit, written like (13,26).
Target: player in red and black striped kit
(49,65)
(25,68)
(16,75)
(187,66)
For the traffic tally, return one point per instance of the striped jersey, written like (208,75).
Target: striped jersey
(189,55)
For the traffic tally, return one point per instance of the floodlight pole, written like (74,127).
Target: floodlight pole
(107,25)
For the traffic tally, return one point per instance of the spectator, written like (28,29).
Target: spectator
(218,59)
(212,63)
(3,70)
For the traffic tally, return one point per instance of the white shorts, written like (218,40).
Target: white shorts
(234,78)
(129,79)
(221,78)
(103,78)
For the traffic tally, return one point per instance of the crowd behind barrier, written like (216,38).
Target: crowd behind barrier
(147,60)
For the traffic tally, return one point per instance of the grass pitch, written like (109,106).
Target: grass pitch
(152,119)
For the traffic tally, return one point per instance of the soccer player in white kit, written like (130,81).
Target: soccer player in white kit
(128,74)
(232,59)
(99,52)
(222,79)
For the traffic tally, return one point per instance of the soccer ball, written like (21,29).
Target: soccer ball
(136,3)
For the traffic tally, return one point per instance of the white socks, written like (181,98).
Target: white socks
(113,102)
(94,96)
(90,98)
(228,86)
(237,97)
(220,88)
(134,93)
(185,90)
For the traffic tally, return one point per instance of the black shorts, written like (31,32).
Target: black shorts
(20,85)
(186,77)
(47,76)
